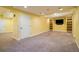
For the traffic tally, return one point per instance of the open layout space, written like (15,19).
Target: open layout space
(39,29)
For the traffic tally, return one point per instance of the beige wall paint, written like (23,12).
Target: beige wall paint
(11,24)
(39,25)
(75,22)
(62,28)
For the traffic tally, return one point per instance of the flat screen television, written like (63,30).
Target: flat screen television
(59,21)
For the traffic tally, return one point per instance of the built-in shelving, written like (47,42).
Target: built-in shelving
(69,25)
(50,25)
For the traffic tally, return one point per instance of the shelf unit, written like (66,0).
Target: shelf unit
(50,25)
(69,25)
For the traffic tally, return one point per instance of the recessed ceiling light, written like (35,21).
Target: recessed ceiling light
(25,6)
(59,14)
(60,9)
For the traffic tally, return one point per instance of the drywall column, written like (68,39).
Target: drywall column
(75,27)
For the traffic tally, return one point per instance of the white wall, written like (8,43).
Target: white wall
(75,23)
(2,26)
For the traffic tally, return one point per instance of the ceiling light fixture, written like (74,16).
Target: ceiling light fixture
(60,9)
(59,14)
(25,6)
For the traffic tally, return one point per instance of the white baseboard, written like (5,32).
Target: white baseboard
(59,31)
(32,35)
(38,33)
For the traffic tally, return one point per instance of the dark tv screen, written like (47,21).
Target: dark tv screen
(59,21)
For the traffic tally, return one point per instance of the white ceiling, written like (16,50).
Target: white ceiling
(48,11)
(3,10)
(44,10)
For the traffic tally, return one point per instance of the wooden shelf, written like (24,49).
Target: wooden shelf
(69,25)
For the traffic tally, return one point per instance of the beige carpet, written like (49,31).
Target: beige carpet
(45,42)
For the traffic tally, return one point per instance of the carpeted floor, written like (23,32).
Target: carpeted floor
(45,42)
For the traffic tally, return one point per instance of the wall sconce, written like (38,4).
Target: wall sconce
(9,15)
